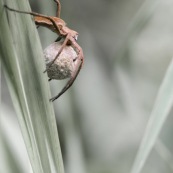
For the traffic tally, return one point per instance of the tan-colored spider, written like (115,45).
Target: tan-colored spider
(57,25)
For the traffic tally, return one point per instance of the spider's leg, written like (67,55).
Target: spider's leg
(58,39)
(42,17)
(37,14)
(58,8)
(78,49)
(26,12)
(53,23)
(79,62)
(49,79)
(72,79)
(59,52)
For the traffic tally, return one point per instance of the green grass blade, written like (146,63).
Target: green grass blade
(10,163)
(159,113)
(22,61)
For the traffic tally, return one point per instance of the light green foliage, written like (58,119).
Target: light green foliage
(23,65)
(122,96)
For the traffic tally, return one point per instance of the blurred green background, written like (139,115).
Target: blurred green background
(102,118)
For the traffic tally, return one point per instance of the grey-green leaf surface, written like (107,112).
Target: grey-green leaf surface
(23,65)
(158,115)
(10,163)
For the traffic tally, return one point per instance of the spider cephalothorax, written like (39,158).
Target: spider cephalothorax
(69,37)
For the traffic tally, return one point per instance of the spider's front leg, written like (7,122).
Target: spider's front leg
(59,52)
(78,49)
(78,64)
(78,61)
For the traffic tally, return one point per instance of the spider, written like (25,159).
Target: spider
(57,25)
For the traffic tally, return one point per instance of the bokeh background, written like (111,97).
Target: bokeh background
(128,46)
